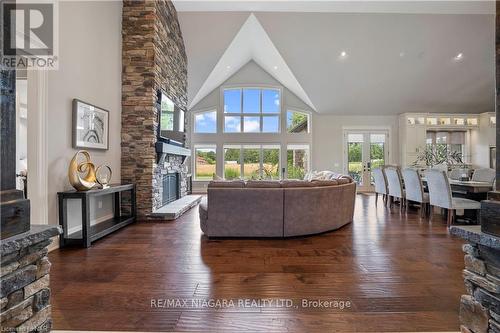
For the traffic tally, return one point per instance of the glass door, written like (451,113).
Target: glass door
(365,150)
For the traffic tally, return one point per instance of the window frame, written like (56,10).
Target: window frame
(297,146)
(309,120)
(209,110)
(261,147)
(261,115)
(203,146)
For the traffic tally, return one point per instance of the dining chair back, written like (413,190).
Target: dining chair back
(380,181)
(394,182)
(439,188)
(457,174)
(484,175)
(413,185)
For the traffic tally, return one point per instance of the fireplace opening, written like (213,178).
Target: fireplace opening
(170,187)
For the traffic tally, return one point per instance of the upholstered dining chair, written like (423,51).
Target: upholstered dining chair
(380,184)
(395,185)
(414,190)
(456,174)
(484,175)
(440,195)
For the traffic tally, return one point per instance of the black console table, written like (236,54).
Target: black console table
(88,233)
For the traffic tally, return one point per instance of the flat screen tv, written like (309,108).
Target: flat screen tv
(170,122)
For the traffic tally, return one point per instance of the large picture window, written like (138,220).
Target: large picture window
(205,164)
(251,161)
(252,110)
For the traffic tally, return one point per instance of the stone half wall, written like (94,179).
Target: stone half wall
(153,58)
(25,292)
(480,308)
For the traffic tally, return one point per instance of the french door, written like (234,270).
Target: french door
(364,151)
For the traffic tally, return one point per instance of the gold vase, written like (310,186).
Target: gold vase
(81,174)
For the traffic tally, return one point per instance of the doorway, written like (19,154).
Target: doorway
(31,140)
(363,151)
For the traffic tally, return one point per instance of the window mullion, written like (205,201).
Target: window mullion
(261,112)
(241,163)
(242,123)
(261,163)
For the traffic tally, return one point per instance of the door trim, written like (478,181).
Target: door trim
(365,130)
(37,145)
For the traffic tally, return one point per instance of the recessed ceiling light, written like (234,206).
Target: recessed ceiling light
(228,67)
(275,67)
(343,54)
(459,56)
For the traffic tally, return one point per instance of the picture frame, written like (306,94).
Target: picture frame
(90,126)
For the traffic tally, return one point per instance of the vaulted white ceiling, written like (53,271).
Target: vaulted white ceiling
(251,43)
(394,63)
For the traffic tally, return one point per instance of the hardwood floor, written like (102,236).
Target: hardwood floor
(400,273)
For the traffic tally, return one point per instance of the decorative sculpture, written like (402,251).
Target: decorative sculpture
(91,174)
(82,174)
(103,177)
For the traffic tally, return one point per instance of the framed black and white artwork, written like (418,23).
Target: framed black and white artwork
(90,126)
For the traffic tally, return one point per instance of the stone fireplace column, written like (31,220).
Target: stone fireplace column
(153,59)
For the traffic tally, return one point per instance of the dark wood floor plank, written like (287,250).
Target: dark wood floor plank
(398,271)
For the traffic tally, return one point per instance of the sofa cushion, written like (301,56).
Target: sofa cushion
(263,184)
(226,184)
(203,211)
(296,183)
(330,182)
(310,175)
(323,175)
(343,180)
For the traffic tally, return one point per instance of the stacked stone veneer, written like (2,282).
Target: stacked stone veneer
(171,164)
(153,58)
(25,292)
(480,308)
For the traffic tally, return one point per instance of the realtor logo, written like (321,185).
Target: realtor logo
(29,34)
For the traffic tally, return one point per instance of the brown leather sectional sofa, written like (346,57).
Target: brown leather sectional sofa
(276,208)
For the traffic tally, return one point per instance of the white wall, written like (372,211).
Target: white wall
(21,129)
(90,70)
(481,140)
(328,148)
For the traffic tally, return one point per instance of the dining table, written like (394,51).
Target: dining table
(468,188)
